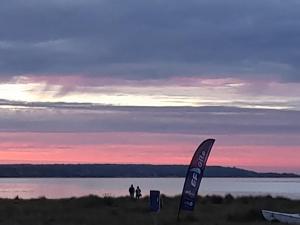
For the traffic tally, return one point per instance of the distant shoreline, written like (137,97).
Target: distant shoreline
(125,171)
(61,177)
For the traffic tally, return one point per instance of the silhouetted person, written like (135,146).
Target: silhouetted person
(131,191)
(161,202)
(138,192)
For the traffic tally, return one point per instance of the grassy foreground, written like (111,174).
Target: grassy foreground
(90,210)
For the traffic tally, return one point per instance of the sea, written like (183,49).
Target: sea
(56,188)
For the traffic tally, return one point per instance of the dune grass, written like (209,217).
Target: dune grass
(92,210)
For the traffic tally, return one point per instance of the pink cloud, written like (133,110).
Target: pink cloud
(140,148)
(260,158)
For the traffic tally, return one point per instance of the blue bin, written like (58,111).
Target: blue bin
(154,201)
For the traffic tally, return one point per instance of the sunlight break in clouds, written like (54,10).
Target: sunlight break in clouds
(173,92)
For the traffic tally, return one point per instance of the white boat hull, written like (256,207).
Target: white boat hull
(281,217)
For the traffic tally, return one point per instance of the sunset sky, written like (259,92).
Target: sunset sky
(131,81)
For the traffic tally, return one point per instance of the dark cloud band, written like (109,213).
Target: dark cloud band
(151,39)
(77,117)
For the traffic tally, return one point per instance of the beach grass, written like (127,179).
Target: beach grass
(107,210)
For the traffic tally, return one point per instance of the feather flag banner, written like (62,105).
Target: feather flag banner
(194,176)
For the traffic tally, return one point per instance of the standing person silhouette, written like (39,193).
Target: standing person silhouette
(131,191)
(138,192)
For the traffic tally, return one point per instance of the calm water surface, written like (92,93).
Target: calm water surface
(75,187)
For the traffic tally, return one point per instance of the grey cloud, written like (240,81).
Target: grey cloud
(75,117)
(225,108)
(151,39)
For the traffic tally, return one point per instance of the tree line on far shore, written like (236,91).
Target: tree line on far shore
(123,170)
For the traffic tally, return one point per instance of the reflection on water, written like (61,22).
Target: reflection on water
(74,187)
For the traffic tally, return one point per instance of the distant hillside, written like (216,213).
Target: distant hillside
(120,170)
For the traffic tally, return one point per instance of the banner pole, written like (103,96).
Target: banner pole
(185,180)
